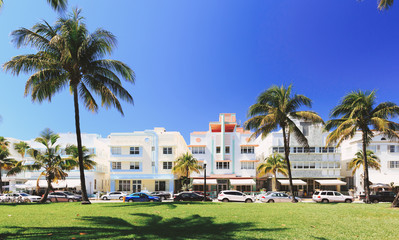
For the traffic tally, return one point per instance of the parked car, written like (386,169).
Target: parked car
(161,194)
(277,197)
(331,196)
(113,195)
(235,196)
(386,196)
(189,196)
(141,197)
(63,196)
(27,197)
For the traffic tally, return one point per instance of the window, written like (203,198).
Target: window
(135,165)
(393,164)
(227,149)
(116,150)
(217,149)
(167,165)
(116,165)
(247,165)
(136,185)
(124,185)
(278,150)
(305,128)
(223,165)
(160,186)
(198,150)
(247,150)
(134,150)
(393,148)
(167,150)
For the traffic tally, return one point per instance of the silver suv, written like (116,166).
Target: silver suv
(331,196)
(235,196)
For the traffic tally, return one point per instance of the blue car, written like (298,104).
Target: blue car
(141,197)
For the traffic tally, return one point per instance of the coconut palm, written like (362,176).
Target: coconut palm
(58,5)
(185,165)
(72,150)
(385,4)
(358,162)
(277,108)
(70,57)
(21,148)
(6,163)
(357,112)
(272,165)
(51,164)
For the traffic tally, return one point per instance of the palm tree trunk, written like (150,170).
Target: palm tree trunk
(366,169)
(287,159)
(85,199)
(395,202)
(1,182)
(274,183)
(44,198)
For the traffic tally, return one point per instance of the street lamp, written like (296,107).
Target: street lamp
(205,180)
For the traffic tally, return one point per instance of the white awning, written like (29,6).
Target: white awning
(294,182)
(201,181)
(242,182)
(69,183)
(378,179)
(331,182)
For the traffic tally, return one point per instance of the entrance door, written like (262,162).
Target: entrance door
(222,187)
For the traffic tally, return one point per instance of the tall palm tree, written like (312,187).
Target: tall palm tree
(185,165)
(385,4)
(372,161)
(357,112)
(21,148)
(277,108)
(6,163)
(70,57)
(51,164)
(58,5)
(272,165)
(87,162)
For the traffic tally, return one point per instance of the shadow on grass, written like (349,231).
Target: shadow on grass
(171,205)
(140,226)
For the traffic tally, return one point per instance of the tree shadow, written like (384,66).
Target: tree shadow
(141,226)
(171,205)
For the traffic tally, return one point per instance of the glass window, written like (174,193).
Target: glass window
(167,165)
(393,164)
(135,165)
(227,149)
(248,150)
(136,186)
(160,186)
(198,150)
(393,148)
(116,150)
(217,149)
(124,185)
(134,150)
(167,150)
(116,165)
(247,165)
(223,165)
(330,194)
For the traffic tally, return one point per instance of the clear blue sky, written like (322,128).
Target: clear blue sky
(194,59)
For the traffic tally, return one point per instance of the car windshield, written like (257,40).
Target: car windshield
(68,193)
(24,194)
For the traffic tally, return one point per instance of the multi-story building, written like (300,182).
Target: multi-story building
(316,167)
(143,160)
(229,153)
(96,179)
(388,153)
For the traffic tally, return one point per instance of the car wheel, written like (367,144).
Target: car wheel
(348,200)
(248,201)
(27,200)
(325,201)
(105,198)
(121,198)
(375,201)
(225,200)
(48,201)
(295,200)
(130,200)
(271,201)
(70,200)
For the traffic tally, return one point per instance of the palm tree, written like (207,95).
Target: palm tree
(277,108)
(357,112)
(58,5)
(272,165)
(87,162)
(21,148)
(385,4)
(358,162)
(70,57)
(5,162)
(51,164)
(185,165)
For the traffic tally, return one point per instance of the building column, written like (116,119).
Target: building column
(172,185)
(113,183)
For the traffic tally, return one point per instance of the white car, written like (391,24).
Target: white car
(277,197)
(331,196)
(113,195)
(235,196)
(23,197)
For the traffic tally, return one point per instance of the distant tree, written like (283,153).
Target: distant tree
(184,166)
(6,163)
(88,163)
(272,165)
(21,148)
(358,162)
(276,108)
(58,5)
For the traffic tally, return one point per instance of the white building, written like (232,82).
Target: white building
(229,153)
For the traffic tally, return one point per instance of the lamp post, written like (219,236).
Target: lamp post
(205,180)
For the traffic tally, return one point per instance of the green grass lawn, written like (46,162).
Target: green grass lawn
(198,221)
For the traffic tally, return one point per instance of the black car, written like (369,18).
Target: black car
(189,196)
(63,196)
(161,194)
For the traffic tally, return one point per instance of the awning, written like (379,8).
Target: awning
(380,185)
(69,183)
(331,182)
(201,181)
(242,182)
(294,182)
(378,179)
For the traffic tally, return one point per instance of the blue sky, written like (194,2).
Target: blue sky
(195,59)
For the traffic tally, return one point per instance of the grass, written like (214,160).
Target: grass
(198,221)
